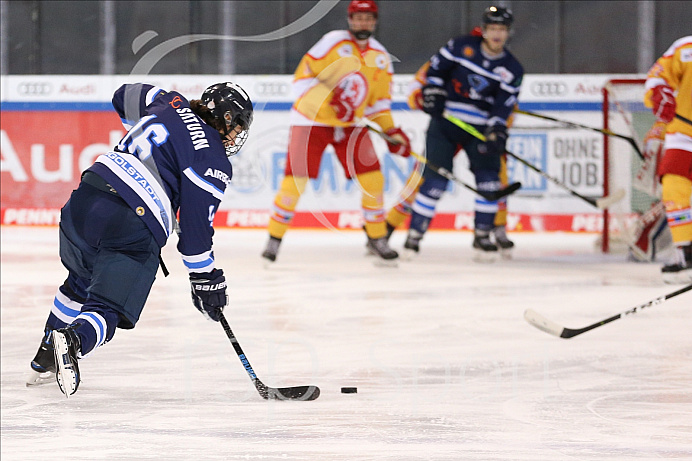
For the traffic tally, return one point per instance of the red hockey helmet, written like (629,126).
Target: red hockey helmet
(362,6)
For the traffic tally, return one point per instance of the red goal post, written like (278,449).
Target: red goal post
(624,113)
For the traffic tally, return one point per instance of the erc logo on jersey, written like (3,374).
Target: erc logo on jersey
(355,88)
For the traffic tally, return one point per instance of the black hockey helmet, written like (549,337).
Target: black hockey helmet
(230,106)
(498,15)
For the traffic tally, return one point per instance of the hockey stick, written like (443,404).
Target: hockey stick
(684,119)
(601,203)
(577,125)
(542,323)
(280,393)
(444,172)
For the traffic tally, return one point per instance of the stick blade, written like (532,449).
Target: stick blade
(542,323)
(609,200)
(295,393)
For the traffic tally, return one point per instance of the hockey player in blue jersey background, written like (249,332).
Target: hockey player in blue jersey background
(171,163)
(475,79)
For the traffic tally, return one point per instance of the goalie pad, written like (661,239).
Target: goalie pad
(650,235)
(647,180)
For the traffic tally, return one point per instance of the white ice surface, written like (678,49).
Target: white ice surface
(446,366)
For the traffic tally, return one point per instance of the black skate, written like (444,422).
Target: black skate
(380,247)
(679,270)
(43,365)
(504,244)
(412,244)
(272,249)
(484,251)
(66,347)
(390,231)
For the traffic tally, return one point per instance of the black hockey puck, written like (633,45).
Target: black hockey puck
(349,390)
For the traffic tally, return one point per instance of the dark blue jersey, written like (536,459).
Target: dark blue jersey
(170,163)
(481,90)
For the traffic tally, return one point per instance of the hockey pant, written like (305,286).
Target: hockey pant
(402,210)
(676,198)
(112,259)
(371,185)
(676,181)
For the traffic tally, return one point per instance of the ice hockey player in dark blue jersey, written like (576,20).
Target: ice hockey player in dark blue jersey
(475,79)
(170,167)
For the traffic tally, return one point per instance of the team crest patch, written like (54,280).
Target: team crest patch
(468,52)
(140,211)
(345,50)
(686,55)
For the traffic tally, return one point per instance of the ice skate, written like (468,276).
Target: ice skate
(66,347)
(484,251)
(380,247)
(411,245)
(390,231)
(679,270)
(504,244)
(271,250)
(43,364)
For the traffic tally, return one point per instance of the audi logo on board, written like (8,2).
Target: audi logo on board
(34,88)
(548,88)
(272,88)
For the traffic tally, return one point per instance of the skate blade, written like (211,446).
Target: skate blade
(484,256)
(34,378)
(67,372)
(506,254)
(408,255)
(678,278)
(379,262)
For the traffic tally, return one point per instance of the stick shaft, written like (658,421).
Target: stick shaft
(444,172)
(473,131)
(629,139)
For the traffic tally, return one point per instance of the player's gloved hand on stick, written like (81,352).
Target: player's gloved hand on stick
(664,103)
(403,147)
(434,98)
(342,105)
(209,293)
(496,140)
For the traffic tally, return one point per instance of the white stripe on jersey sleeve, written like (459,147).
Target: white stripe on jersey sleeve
(151,95)
(301,86)
(203,184)
(379,106)
(203,262)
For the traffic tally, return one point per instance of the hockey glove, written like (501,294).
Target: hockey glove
(341,105)
(496,140)
(403,147)
(664,103)
(209,293)
(434,98)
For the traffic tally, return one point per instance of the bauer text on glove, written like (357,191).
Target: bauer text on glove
(209,293)
(434,98)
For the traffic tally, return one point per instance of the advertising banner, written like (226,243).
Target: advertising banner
(53,127)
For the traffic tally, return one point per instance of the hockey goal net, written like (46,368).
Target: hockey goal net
(624,113)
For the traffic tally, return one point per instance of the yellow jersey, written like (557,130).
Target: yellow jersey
(365,76)
(674,69)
